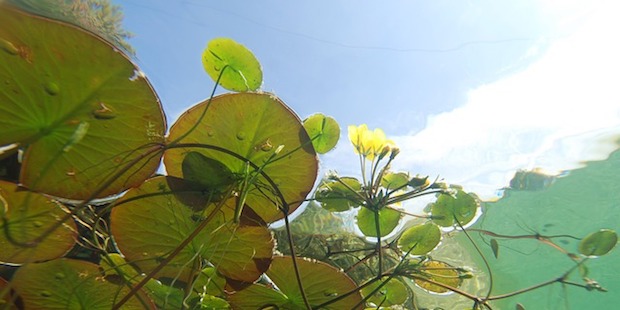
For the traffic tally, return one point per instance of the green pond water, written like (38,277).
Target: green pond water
(584,201)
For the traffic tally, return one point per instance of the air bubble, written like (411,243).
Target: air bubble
(104,112)
(52,88)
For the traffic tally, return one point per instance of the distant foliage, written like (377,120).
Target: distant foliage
(99,16)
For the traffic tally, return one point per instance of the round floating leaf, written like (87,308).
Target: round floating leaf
(149,222)
(242,73)
(420,239)
(210,282)
(79,107)
(419,182)
(394,180)
(24,217)
(447,210)
(338,197)
(71,284)
(324,132)
(163,296)
(253,127)
(439,272)
(388,220)
(321,281)
(207,172)
(394,292)
(598,243)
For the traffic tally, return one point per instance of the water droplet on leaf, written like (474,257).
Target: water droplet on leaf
(104,112)
(37,224)
(59,275)
(52,88)
(45,293)
(241,135)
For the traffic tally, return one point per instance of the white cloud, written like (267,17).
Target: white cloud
(560,111)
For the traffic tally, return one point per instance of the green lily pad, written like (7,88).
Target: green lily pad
(440,272)
(324,132)
(253,126)
(447,210)
(24,217)
(388,220)
(164,296)
(81,109)
(420,239)
(149,222)
(209,282)
(394,292)
(337,197)
(598,243)
(242,73)
(207,172)
(393,180)
(321,282)
(71,284)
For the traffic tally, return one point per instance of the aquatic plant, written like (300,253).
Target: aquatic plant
(86,222)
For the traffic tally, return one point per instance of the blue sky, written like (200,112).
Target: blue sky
(469,90)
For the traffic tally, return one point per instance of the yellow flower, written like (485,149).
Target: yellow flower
(369,144)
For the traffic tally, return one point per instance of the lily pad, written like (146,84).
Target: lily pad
(321,282)
(252,127)
(598,243)
(420,239)
(24,217)
(335,196)
(439,272)
(81,110)
(394,292)
(324,132)
(150,222)
(449,210)
(242,73)
(71,284)
(393,180)
(388,220)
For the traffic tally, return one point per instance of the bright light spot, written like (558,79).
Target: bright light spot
(561,111)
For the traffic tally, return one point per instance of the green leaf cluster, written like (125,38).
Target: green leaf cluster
(86,223)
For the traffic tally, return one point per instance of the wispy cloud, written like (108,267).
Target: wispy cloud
(560,111)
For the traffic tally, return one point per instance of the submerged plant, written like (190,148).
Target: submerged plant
(86,223)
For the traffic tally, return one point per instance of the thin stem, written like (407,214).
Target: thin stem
(295,266)
(544,239)
(379,249)
(172,255)
(204,112)
(486,263)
